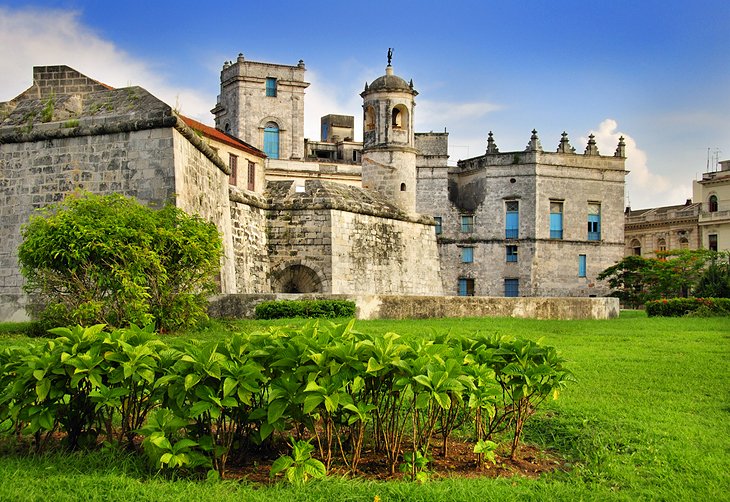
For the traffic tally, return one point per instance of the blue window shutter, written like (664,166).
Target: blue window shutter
(581,265)
(271,87)
(512,225)
(511,288)
(594,227)
(556,225)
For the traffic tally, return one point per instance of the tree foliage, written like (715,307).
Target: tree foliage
(681,273)
(108,259)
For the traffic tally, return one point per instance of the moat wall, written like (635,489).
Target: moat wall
(242,306)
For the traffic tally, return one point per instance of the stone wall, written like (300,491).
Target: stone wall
(249,242)
(201,188)
(347,240)
(35,174)
(372,255)
(423,307)
(300,239)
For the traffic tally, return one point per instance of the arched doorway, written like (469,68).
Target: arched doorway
(297,279)
(271,140)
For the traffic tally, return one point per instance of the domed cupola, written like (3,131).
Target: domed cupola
(389,154)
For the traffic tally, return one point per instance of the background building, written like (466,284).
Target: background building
(662,229)
(713,191)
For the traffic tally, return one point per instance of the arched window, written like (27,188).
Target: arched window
(683,243)
(636,247)
(399,117)
(713,203)
(271,140)
(661,245)
(402,187)
(369,118)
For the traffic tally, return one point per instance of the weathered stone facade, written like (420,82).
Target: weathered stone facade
(102,140)
(389,154)
(246,106)
(333,238)
(484,252)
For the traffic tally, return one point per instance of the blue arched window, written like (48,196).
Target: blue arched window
(271,140)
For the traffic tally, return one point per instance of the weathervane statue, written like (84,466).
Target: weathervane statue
(390,55)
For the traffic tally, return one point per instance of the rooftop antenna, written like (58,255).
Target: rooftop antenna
(712,159)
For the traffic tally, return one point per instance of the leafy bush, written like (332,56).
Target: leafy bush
(110,260)
(196,404)
(316,309)
(676,307)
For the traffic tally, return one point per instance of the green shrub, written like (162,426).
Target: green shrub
(196,404)
(315,309)
(677,307)
(110,260)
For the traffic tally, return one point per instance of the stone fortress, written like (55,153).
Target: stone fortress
(385,216)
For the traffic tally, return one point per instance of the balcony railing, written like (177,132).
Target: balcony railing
(714,216)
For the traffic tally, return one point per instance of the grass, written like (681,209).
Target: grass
(648,420)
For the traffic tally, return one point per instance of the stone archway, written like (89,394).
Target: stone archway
(297,279)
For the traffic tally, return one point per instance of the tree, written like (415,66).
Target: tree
(629,280)
(676,273)
(715,281)
(679,273)
(108,259)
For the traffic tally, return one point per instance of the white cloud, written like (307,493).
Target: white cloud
(322,98)
(65,40)
(644,188)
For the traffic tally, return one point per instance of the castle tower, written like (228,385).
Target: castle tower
(263,104)
(389,153)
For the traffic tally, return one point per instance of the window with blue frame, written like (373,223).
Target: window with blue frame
(556,219)
(467,223)
(512,253)
(271,140)
(511,288)
(466,287)
(581,265)
(439,224)
(594,222)
(271,87)
(467,255)
(512,219)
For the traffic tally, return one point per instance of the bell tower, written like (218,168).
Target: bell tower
(389,153)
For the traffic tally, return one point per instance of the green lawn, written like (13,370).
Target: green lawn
(649,419)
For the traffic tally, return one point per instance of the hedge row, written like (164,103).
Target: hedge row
(677,307)
(313,309)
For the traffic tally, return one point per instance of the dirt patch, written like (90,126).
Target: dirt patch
(461,462)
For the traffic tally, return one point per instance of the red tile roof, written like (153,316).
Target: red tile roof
(222,137)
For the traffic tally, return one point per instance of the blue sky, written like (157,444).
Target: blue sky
(657,72)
